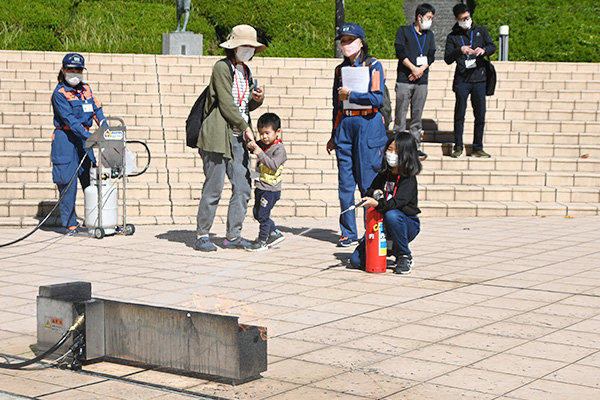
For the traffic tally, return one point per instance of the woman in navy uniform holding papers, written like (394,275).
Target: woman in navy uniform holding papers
(358,135)
(75,110)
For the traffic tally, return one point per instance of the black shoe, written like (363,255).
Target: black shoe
(404,264)
(258,245)
(345,241)
(275,237)
(480,154)
(457,153)
(422,156)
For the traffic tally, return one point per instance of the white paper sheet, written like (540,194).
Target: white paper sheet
(355,79)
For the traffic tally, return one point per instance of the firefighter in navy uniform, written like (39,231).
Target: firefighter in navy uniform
(359,135)
(75,109)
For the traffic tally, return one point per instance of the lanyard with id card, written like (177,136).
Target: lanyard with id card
(469,62)
(421,59)
(87,107)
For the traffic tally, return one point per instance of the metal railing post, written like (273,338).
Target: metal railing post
(503,54)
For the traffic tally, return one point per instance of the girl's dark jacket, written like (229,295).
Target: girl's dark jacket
(405,198)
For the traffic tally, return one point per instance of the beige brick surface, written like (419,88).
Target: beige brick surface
(538,124)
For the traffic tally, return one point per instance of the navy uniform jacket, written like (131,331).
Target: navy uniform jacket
(374,97)
(75,110)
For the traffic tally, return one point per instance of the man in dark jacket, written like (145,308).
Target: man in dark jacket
(467,44)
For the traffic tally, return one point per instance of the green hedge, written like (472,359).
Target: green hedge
(541,30)
(292,28)
(303,29)
(545,30)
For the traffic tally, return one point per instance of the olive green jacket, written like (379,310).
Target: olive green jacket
(217,128)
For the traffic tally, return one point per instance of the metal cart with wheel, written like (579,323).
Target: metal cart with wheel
(109,141)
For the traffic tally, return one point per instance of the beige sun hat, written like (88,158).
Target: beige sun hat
(243,35)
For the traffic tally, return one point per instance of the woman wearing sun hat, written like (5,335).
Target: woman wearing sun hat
(223,136)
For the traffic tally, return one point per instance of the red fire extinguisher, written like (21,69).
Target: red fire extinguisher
(375,242)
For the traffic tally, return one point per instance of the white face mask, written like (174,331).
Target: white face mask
(352,48)
(465,24)
(73,79)
(425,25)
(244,53)
(391,159)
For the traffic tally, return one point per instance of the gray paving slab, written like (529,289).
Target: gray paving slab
(495,308)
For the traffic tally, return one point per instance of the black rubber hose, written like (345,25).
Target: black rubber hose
(53,208)
(51,350)
(149,158)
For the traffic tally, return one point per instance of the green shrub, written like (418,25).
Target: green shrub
(540,30)
(303,29)
(545,30)
(291,28)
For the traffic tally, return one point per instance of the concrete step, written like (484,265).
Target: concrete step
(315,77)
(322,123)
(444,191)
(305,67)
(184,212)
(313,138)
(304,142)
(296,85)
(34,99)
(180,110)
(520,150)
(302,154)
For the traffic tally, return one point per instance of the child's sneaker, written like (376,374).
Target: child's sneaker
(275,237)
(258,245)
(204,244)
(404,264)
(345,241)
(239,243)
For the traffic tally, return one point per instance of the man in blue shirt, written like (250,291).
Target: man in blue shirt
(415,49)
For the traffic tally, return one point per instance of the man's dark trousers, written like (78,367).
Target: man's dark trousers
(477,92)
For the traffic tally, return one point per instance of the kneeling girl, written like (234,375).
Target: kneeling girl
(395,187)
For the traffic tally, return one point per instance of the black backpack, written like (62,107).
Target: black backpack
(197,116)
(490,77)
(386,110)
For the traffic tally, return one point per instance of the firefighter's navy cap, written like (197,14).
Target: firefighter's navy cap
(351,29)
(73,60)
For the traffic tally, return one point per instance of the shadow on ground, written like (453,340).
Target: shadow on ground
(325,235)
(187,237)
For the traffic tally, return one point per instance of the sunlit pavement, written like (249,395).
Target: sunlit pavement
(495,308)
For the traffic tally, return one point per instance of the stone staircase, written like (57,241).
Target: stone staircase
(543,130)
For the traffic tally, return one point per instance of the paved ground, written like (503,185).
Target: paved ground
(498,308)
